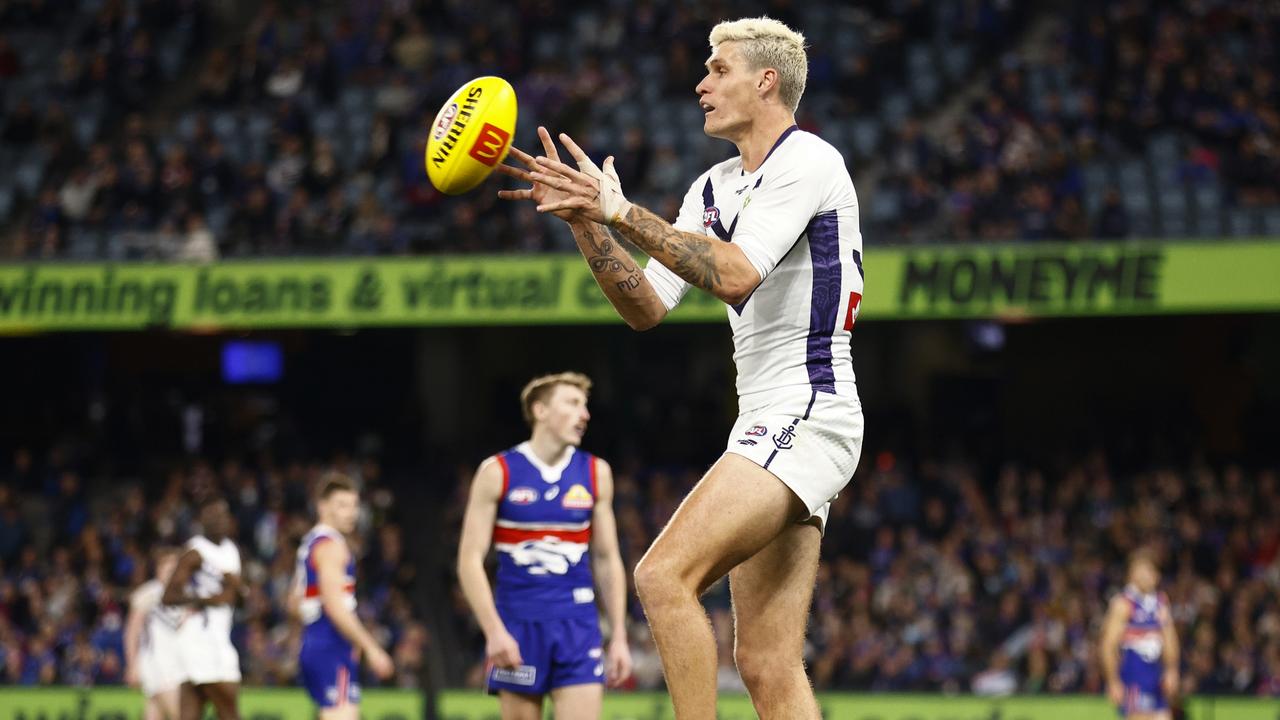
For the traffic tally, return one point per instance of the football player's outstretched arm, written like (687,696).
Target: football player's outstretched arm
(595,194)
(477,532)
(620,278)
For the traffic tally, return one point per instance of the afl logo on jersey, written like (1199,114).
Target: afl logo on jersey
(578,499)
(758,430)
(710,216)
(523,496)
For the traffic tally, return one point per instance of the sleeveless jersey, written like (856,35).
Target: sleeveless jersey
(1143,641)
(207,580)
(317,629)
(542,534)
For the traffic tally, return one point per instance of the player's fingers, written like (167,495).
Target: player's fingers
(548,146)
(566,185)
(515,194)
(511,171)
(569,172)
(522,156)
(576,152)
(570,204)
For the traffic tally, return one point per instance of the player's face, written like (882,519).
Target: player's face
(1145,577)
(341,510)
(216,519)
(566,415)
(728,94)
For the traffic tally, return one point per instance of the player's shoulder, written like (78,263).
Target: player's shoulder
(809,151)
(148,593)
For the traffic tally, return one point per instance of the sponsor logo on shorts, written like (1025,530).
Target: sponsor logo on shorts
(758,430)
(578,499)
(523,675)
(446,120)
(523,496)
(489,144)
(710,216)
(784,437)
(595,653)
(584,595)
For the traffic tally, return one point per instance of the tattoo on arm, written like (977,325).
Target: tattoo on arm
(607,258)
(692,257)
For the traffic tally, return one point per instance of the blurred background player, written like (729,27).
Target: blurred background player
(544,505)
(207,579)
(1140,645)
(150,642)
(333,638)
(774,234)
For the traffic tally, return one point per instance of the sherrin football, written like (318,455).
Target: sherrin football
(471,134)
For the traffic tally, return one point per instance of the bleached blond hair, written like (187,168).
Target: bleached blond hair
(768,43)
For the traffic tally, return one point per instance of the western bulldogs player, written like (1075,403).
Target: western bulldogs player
(333,637)
(774,234)
(1140,646)
(546,505)
(150,639)
(207,580)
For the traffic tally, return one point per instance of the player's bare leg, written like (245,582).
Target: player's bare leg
(518,706)
(578,702)
(162,706)
(771,593)
(224,698)
(190,702)
(734,511)
(349,711)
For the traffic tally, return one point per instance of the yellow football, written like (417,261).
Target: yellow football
(471,134)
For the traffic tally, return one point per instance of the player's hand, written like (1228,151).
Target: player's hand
(502,650)
(617,662)
(380,662)
(1169,683)
(540,193)
(1115,692)
(131,676)
(594,192)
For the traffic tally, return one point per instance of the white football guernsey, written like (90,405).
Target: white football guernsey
(796,220)
(207,581)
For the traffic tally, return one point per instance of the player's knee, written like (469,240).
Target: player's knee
(656,582)
(765,670)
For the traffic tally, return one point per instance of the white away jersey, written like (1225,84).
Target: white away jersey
(796,220)
(206,581)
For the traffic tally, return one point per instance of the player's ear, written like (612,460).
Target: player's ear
(768,78)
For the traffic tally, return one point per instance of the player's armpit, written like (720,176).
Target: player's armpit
(718,267)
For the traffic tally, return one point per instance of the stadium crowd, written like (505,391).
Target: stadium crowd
(304,133)
(938,577)
(72,548)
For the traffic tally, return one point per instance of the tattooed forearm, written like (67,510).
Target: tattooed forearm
(607,257)
(690,256)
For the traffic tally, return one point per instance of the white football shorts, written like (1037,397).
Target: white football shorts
(810,440)
(159,666)
(207,654)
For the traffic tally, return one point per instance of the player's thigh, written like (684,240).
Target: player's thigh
(223,695)
(349,711)
(191,699)
(519,706)
(735,510)
(771,592)
(578,702)
(166,703)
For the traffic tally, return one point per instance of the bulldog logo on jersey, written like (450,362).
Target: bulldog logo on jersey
(710,216)
(577,499)
(523,496)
